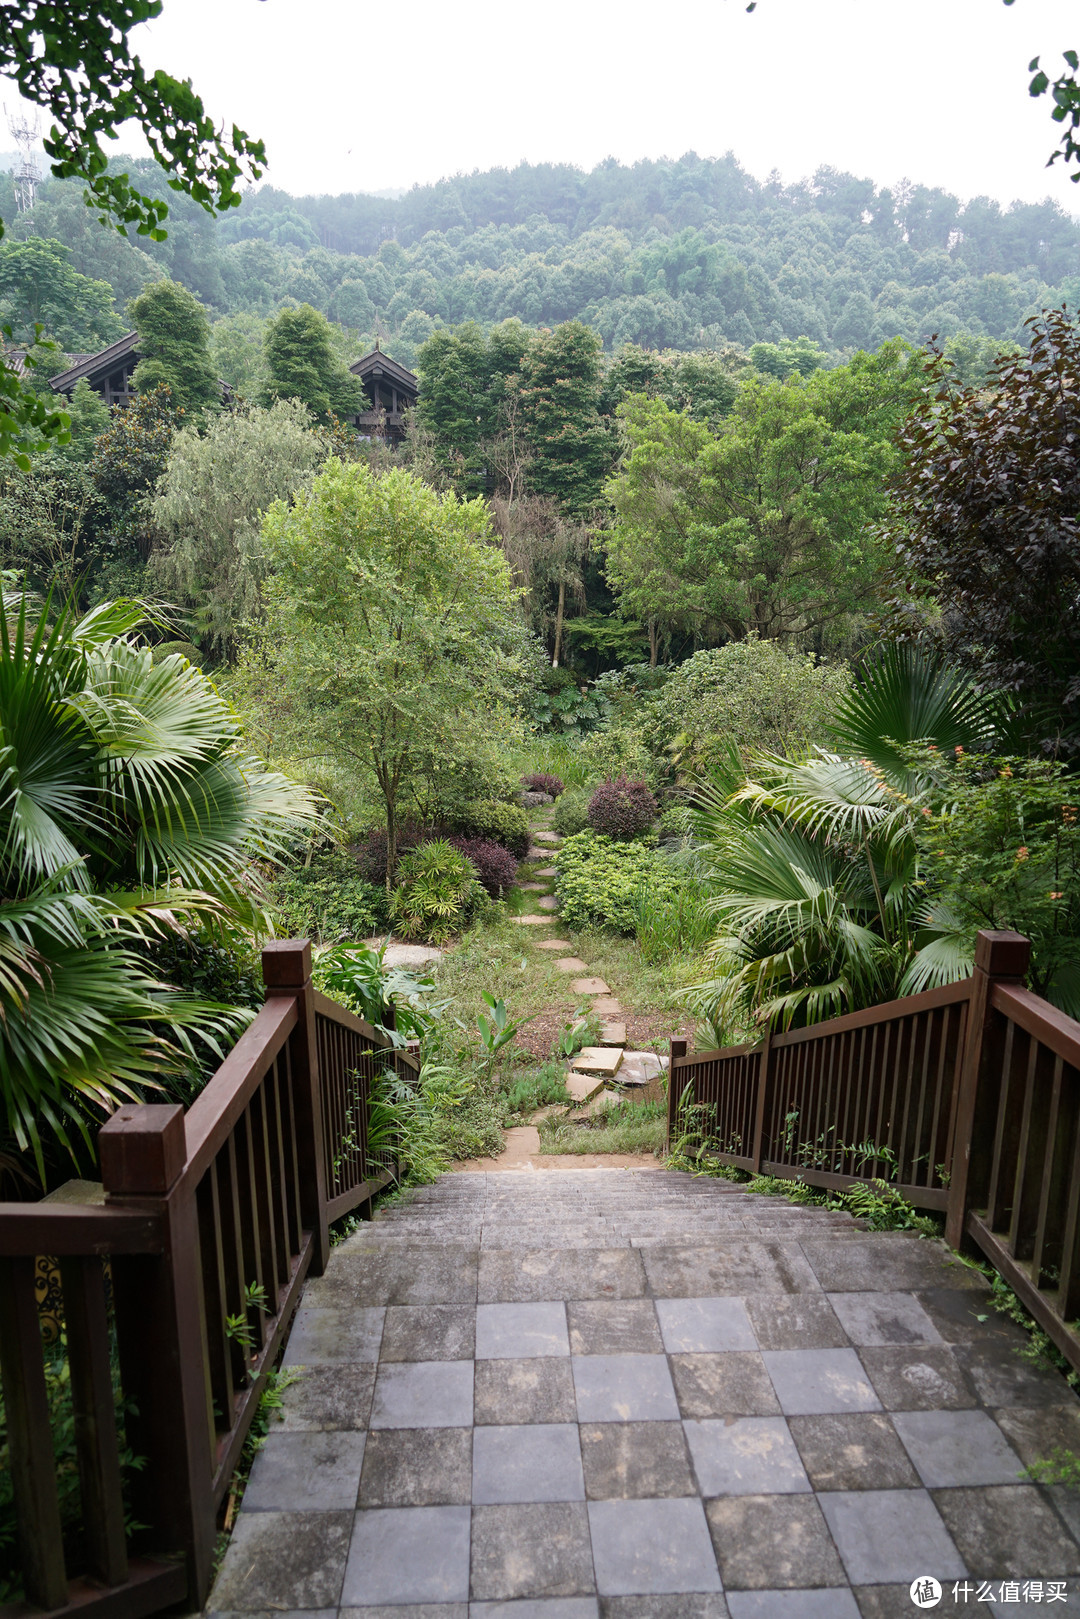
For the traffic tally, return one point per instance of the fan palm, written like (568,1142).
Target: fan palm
(815,867)
(127,806)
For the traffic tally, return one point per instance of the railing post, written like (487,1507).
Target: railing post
(762,1098)
(676,1048)
(999,958)
(162,1337)
(287,971)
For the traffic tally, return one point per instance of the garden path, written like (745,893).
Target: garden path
(609,1060)
(647,1396)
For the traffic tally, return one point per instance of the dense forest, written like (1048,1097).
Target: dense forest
(690,254)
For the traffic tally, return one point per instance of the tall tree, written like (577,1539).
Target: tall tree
(76,62)
(987,521)
(174,342)
(560,389)
(392,633)
(38,285)
(302,364)
(768,524)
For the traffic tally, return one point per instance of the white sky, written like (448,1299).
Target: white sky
(350,97)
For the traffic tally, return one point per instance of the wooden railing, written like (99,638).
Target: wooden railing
(185,1282)
(965,1100)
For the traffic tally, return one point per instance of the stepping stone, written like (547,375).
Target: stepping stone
(613,1034)
(533,921)
(600,1103)
(606,1006)
(548,903)
(598,1060)
(547,871)
(546,837)
(639,1067)
(534,888)
(584,986)
(554,944)
(537,854)
(583,1087)
(572,964)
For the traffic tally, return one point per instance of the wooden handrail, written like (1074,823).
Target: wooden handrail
(62,1229)
(214,1112)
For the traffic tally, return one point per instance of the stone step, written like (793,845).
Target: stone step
(572,964)
(548,903)
(554,944)
(613,1034)
(598,1060)
(533,921)
(589,986)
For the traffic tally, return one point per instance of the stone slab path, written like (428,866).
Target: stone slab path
(642,1395)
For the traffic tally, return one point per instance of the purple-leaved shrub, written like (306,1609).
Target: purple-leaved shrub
(495,866)
(622,808)
(543,783)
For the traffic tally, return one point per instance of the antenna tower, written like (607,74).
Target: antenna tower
(27,176)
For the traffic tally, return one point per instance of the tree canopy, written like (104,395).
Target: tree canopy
(174,344)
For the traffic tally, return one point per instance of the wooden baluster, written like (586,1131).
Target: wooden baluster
(999,958)
(162,1337)
(287,971)
(762,1101)
(33,1467)
(96,1448)
(676,1048)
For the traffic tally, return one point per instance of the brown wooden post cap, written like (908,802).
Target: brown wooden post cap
(142,1148)
(1002,955)
(286,964)
(678,1048)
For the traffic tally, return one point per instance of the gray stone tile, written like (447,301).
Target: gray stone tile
(772,1542)
(884,1318)
(887,1262)
(1000,1376)
(408,1554)
(614,1327)
(537,1390)
(520,1331)
(423,1394)
(537,1462)
(537,1608)
(838,1604)
(623,1388)
(521,1275)
(521,1550)
(322,1337)
(811,1381)
(271,1613)
(628,1460)
(892,1601)
(853,1450)
(957,1447)
(1035,1431)
(704,1326)
(795,1321)
(429,1332)
(918,1379)
(734,1383)
(417,1467)
(725,1267)
(306,1472)
(885,1536)
(366,1273)
(284,1560)
(968,1317)
(1008,1531)
(327,1397)
(685,1605)
(747,1456)
(422,1610)
(645,1546)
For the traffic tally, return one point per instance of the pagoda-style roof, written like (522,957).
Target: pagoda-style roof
(377,364)
(95,367)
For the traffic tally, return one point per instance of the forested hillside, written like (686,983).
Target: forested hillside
(683,255)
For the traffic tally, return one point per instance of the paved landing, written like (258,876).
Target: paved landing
(642,1395)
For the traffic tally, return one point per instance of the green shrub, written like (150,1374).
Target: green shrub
(601,880)
(676,822)
(620,750)
(499,823)
(572,811)
(437,893)
(327,900)
(185,649)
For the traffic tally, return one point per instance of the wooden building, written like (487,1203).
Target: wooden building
(391,391)
(108,372)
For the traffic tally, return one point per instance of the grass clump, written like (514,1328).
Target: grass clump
(627,1127)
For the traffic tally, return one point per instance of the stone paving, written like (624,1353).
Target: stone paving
(643,1395)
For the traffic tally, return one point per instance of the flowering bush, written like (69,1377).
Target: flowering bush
(622,808)
(495,866)
(542,782)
